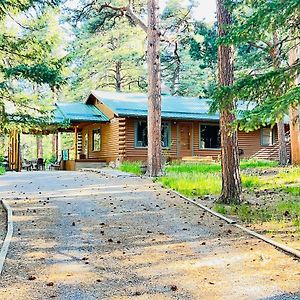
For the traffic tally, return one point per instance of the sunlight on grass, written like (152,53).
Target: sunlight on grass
(256,163)
(251,182)
(131,167)
(193,184)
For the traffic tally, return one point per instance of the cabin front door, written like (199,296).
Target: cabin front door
(185,139)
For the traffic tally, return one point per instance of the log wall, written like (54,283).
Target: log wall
(118,141)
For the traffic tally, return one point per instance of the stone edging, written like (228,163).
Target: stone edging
(275,244)
(9,234)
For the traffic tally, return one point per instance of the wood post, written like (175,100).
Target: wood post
(14,154)
(76,142)
(58,146)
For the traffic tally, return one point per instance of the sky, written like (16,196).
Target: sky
(205,10)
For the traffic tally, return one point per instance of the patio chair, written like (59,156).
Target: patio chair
(34,164)
(55,165)
(40,164)
(26,165)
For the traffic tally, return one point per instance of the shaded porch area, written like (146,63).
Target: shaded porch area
(69,151)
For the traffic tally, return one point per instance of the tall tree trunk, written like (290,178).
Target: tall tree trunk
(282,151)
(231,180)
(154,92)
(294,117)
(118,76)
(39,146)
(55,135)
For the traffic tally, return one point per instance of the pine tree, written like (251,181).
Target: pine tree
(231,181)
(154,91)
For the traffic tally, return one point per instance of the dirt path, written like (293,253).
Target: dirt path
(91,236)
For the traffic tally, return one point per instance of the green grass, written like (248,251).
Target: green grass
(280,211)
(193,168)
(255,163)
(216,167)
(292,190)
(2,170)
(131,167)
(193,184)
(250,182)
(199,179)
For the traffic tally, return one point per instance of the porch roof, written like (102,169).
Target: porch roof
(78,112)
(174,107)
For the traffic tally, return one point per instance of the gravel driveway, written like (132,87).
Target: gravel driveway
(82,235)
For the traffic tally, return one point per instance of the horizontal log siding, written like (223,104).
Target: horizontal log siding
(109,140)
(118,141)
(249,142)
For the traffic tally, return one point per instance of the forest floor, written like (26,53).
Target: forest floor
(270,199)
(82,235)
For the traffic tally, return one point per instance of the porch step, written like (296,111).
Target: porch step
(79,165)
(272,152)
(198,159)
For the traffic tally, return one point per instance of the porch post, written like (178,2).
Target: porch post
(58,146)
(14,160)
(76,141)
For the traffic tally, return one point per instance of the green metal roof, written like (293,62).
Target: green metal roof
(173,107)
(78,112)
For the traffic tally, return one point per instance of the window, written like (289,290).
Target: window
(141,134)
(266,137)
(165,134)
(96,146)
(210,136)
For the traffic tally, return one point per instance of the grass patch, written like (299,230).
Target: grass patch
(199,179)
(257,163)
(251,182)
(292,190)
(193,168)
(2,170)
(193,185)
(131,167)
(282,211)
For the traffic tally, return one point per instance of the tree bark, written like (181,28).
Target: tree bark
(39,146)
(118,76)
(294,117)
(231,179)
(295,134)
(55,135)
(282,151)
(154,91)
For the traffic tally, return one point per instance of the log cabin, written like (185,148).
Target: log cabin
(112,127)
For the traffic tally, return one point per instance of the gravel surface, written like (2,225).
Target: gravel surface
(82,235)
(2,224)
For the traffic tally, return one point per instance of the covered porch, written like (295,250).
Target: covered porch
(69,119)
